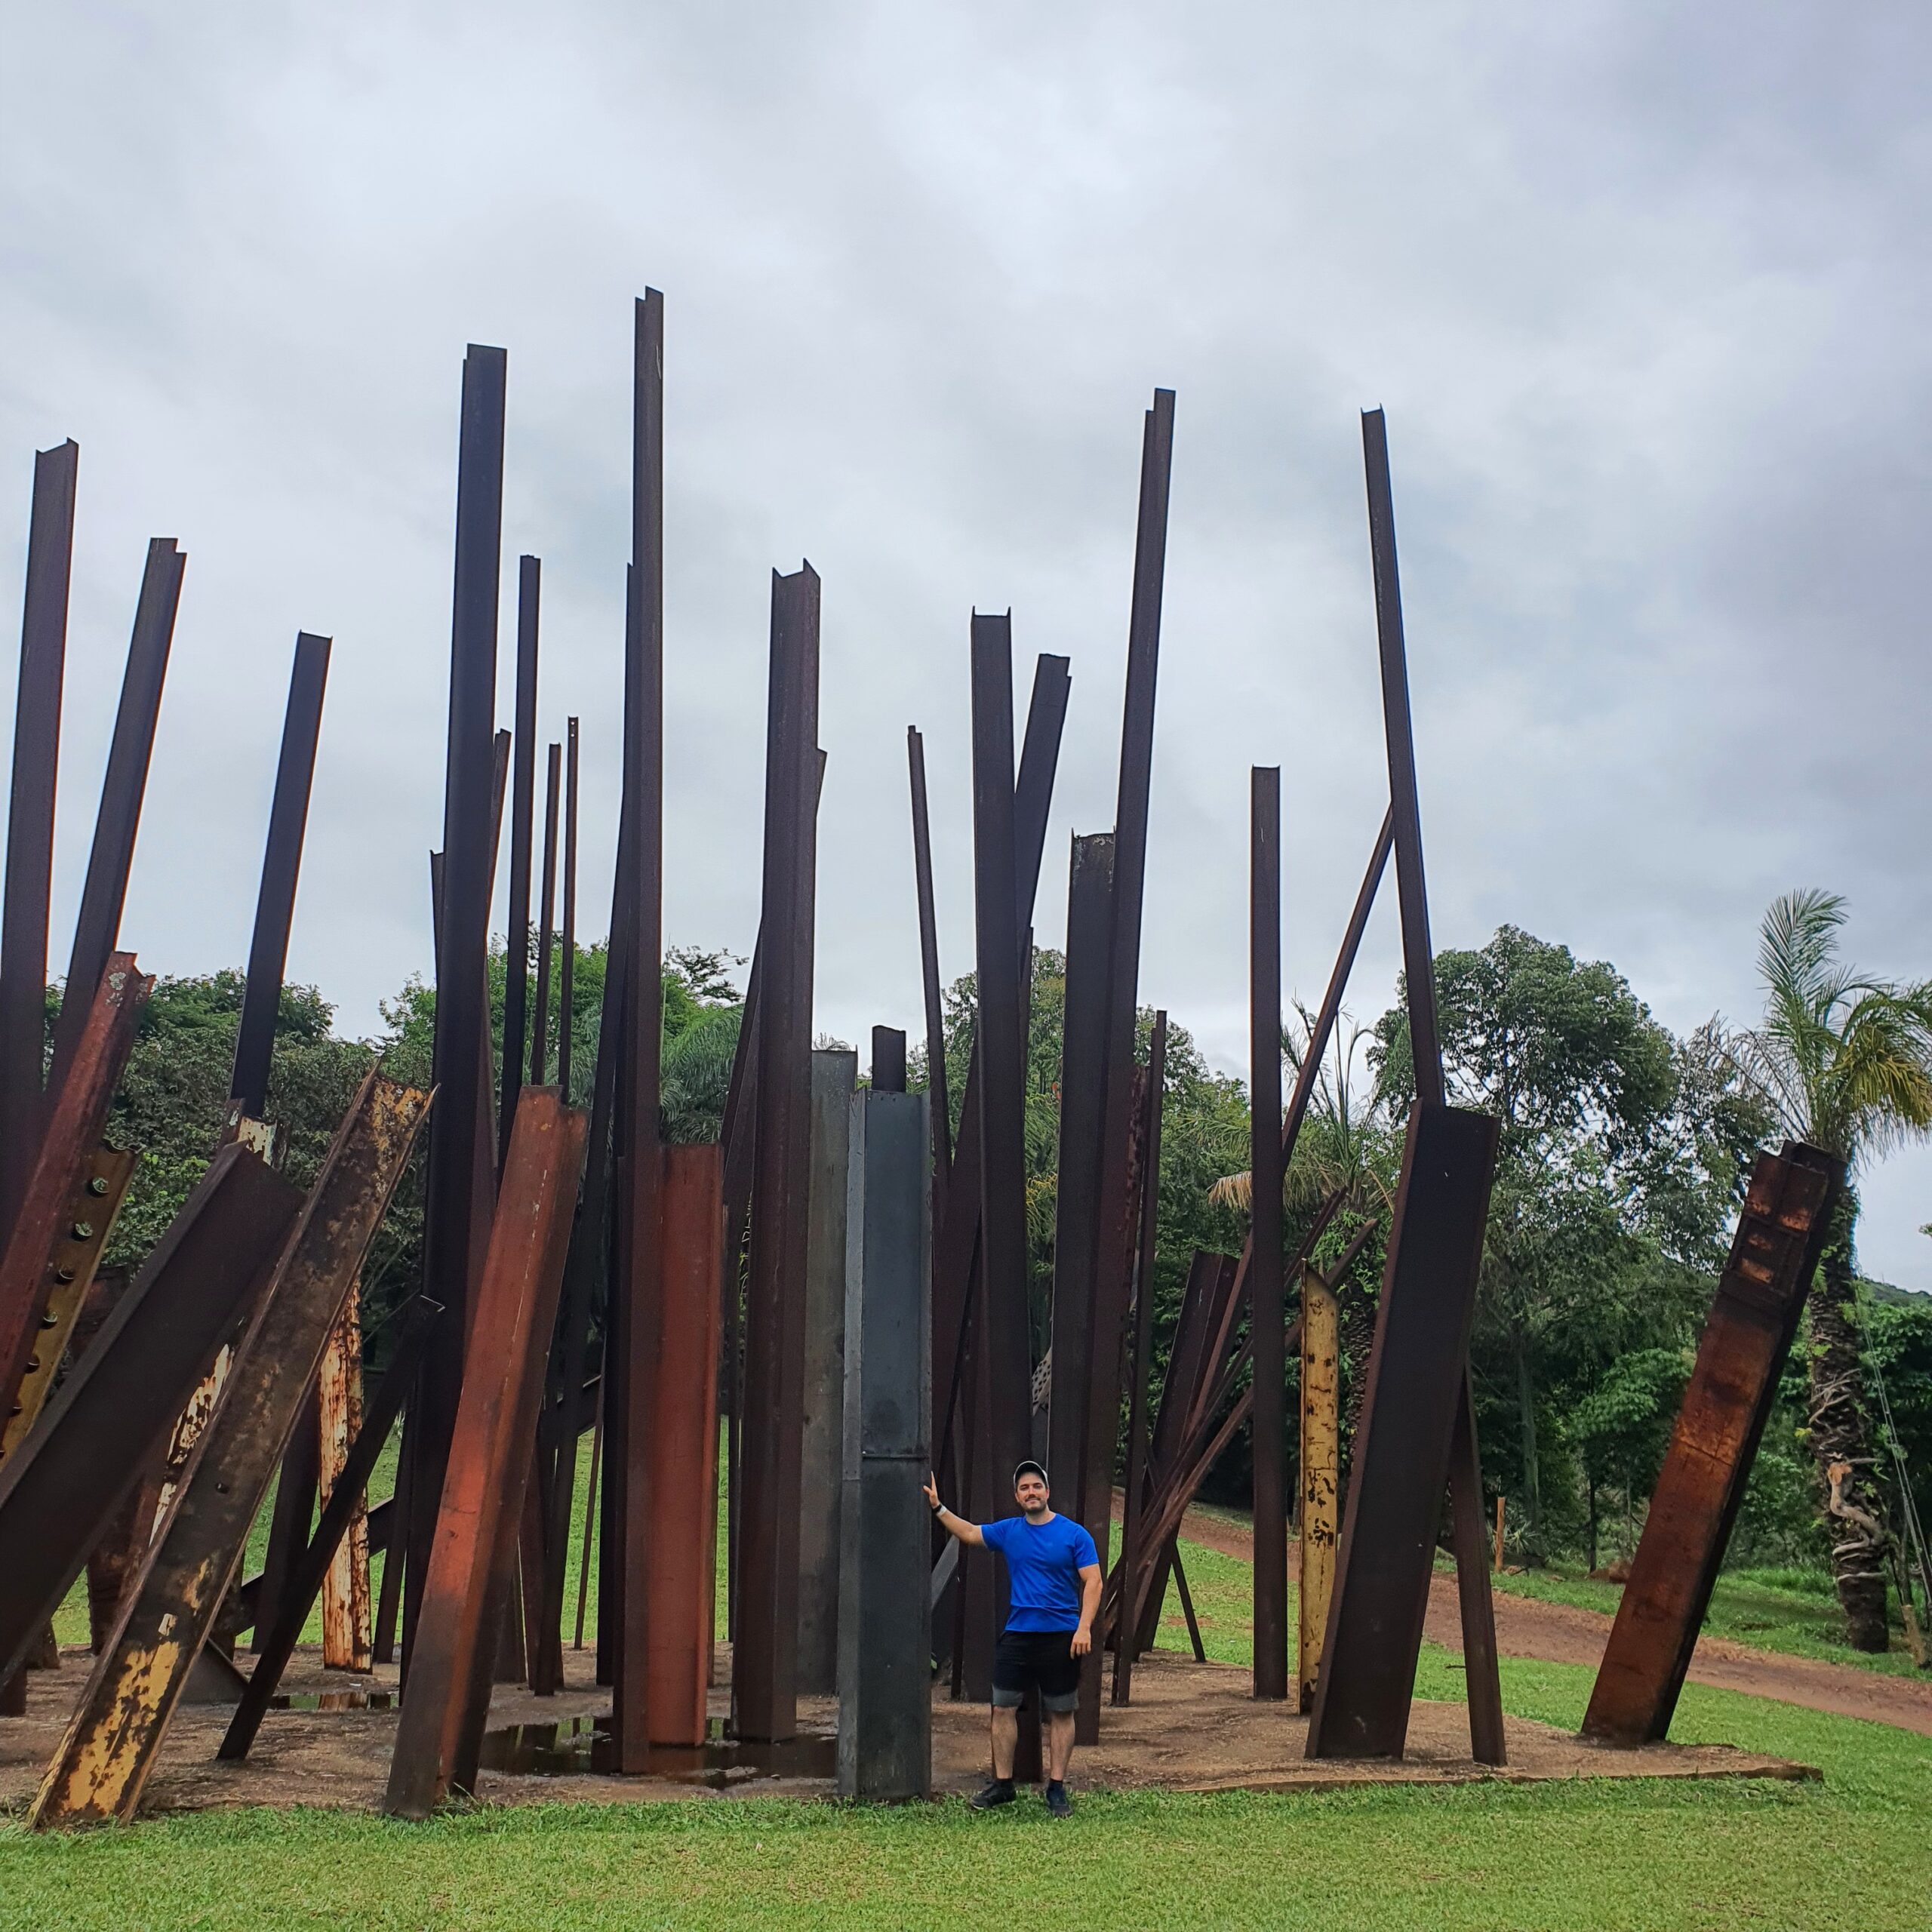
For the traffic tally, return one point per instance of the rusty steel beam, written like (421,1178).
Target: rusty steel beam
(412,1331)
(1781,1232)
(540,1037)
(763,1678)
(523,807)
(1266,1288)
(109,1420)
(29,874)
(346,1636)
(929,977)
(88,1223)
(35,1252)
(282,864)
(1401,1458)
(115,1732)
(446,1698)
(1141,1359)
(463,922)
(98,925)
(682,1531)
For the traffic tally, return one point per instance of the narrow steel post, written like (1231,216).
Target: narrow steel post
(540,1037)
(1265,1298)
(888,1062)
(451,1253)
(922,875)
(29,876)
(282,864)
(566,965)
(1321,1472)
(523,806)
(98,926)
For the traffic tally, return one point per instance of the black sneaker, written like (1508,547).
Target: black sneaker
(1058,1803)
(1000,1791)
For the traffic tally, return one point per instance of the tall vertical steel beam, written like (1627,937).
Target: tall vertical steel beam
(451,1255)
(888,1060)
(567,966)
(118,820)
(1265,1284)
(29,876)
(523,806)
(540,1036)
(929,979)
(635,1282)
(764,1687)
(282,865)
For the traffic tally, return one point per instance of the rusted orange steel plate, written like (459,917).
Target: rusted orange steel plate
(1780,1233)
(446,1695)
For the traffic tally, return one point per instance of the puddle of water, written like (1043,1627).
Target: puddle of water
(579,1745)
(333,1700)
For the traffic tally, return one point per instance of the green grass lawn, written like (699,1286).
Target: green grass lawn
(1854,1852)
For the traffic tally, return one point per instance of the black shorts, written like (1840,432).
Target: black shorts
(1041,1660)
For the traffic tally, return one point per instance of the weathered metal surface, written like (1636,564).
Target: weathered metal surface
(102,1761)
(1482,1676)
(683,1529)
(29,874)
(884,1657)
(1006,1356)
(1132,1538)
(293,1513)
(462,921)
(1400,1463)
(888,1060)
(523,807)
(764,1686)
(98,927)
(108,1421)
(1781,1231)
(540,1035)
(94,1207)
(929,975)
(446,1695)
(1265,1281)
(347,1636)
(822,1439)
(42,1233)
(347,1499)
(1320,1472)
(282,865)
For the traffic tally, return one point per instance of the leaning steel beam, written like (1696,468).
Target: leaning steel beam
(34,1255)
(98,925)
(30,875)
(412,1330)
(1266,1295)
(111,1740)
(635,1279)
(281,863)
(462,1031)
(1416,1378)
(111,1416)
(929,978)
(763,1680)
(683,1489)
(446,1698)
(1781,1232)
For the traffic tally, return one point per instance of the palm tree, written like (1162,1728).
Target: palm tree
(1846,1062)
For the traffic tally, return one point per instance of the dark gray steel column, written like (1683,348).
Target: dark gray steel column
(523,809)
(884,1652)
(888,1059)
(822,1440)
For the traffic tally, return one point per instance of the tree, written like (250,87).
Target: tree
(1845,1062)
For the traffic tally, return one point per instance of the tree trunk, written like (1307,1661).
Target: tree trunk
(1526,1403)
(1843,1446)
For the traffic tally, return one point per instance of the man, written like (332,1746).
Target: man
(1054,1574)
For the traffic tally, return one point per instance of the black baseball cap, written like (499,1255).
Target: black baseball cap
(1029,1467)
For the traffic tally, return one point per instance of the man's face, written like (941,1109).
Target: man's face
(1030,1492)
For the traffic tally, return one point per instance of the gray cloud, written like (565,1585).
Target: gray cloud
(1643,291)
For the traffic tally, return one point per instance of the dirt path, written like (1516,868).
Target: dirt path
(1563,1633)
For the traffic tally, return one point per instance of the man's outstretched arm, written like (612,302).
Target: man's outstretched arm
(958,1525)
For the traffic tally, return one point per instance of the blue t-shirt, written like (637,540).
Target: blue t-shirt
(1043,1564)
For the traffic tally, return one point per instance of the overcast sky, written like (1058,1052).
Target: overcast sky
(1643,288)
